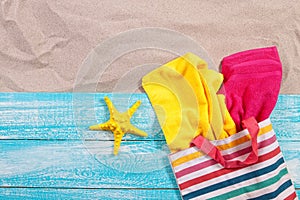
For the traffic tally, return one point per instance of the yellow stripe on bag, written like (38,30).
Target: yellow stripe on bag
(229,145)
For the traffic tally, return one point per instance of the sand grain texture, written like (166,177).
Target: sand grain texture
(43,43)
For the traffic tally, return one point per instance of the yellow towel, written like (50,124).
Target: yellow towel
(183,94)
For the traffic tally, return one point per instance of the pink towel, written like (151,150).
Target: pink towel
(252,82)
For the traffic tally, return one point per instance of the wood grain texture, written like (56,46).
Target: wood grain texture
(286,118)
(68,164)
(78,194)
(48,153)
(68,116)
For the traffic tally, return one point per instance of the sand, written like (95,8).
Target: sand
(43,43)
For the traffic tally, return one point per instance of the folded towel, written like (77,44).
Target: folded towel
(183,95)
(252,82)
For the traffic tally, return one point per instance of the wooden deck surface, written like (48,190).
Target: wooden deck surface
(47,151)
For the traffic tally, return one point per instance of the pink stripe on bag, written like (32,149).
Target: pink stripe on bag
(211,162)
(202,177)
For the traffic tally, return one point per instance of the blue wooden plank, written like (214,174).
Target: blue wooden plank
(67,116)
(41,163)
(286,117)
(50,193)
(68,164)
(81,194)
(88,164)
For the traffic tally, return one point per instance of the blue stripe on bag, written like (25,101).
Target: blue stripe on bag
(274,194)
(235,180)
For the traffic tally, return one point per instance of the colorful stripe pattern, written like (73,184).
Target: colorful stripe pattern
(200,177)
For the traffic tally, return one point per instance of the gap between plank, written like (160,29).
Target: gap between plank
(86,188)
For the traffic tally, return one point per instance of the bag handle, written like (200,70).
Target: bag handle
(207,147)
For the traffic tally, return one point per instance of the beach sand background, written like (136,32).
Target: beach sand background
(43,43)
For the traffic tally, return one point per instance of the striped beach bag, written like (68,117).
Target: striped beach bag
(247,165)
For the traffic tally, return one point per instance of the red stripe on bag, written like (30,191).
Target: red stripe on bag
(211,162)
(291,196)
(194,168)
(224,171)
(248,149)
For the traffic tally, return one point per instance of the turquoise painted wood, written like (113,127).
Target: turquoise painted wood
(46,151)
(41,163)
(82,194)
(67,116)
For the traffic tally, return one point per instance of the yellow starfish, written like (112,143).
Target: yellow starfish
(119,123)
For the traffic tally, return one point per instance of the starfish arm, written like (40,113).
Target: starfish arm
(118,135)
(135,131)
(119,124)
(134,108)
(110,106)
(105,126)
